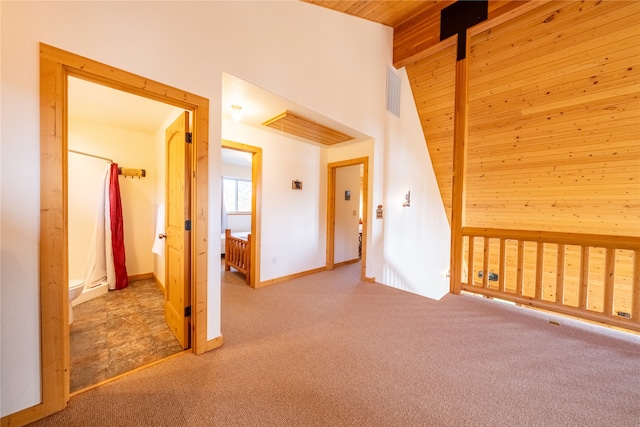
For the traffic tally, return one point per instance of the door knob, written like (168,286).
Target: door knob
(162,236)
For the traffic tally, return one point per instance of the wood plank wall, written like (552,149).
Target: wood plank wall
(554,128)
(554,143)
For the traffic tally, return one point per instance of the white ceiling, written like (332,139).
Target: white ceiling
(259,105)
(101,104)
(235,157)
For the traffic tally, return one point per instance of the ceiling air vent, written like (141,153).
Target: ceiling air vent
(393,92)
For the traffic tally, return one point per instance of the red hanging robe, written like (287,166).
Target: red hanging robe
(117,229)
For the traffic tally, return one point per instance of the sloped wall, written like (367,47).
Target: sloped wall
(433,82)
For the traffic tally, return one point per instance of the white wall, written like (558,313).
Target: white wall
(293,232)
(271,47)
(346,214)
(416,256)
(236,171)
(239,222)
(128,148)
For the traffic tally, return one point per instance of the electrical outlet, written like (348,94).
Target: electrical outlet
(493,277)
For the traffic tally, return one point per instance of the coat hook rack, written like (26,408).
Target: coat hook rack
(140,173)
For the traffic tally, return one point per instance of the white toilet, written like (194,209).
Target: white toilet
(75,289)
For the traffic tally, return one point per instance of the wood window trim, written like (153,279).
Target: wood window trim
(55,66)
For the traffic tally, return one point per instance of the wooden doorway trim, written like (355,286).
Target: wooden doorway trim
(256,205)
(55,66)
(331,210)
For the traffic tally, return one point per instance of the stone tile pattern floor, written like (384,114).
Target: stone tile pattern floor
(117,332)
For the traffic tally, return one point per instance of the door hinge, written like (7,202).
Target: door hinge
(187,311)
(187,225)
(188,137)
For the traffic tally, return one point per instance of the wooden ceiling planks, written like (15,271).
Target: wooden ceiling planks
(302,127)
(416,35)
(390,13)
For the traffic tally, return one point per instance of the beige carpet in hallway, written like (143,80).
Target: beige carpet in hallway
(329,350)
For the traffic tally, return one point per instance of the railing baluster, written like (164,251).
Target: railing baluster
(470,262)
(613,272)
(248,260)
(609,280)
(520,278)
(584,277)
(485,263)
(560,274)
(503,265)
(539,269)
(635,313)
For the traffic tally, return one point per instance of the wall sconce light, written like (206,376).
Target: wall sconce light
(407,200)
(236,112)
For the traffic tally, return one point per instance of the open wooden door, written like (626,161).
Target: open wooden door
(177,307)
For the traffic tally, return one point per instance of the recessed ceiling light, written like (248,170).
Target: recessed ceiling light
(236,112)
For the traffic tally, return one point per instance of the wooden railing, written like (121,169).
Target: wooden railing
(238,254)
(594,277)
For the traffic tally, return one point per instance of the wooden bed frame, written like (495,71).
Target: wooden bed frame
(237,254)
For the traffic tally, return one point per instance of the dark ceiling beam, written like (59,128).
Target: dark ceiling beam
(417,37)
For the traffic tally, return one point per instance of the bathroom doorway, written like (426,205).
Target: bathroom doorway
(55,66)
(115,332)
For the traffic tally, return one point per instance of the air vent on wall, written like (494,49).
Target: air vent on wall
(393,92)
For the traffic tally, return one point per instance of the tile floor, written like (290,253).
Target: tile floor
(118,332)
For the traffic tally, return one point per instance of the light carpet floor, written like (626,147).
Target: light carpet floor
(330,350)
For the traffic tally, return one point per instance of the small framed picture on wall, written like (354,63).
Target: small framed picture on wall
(347,195)
(296,184)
